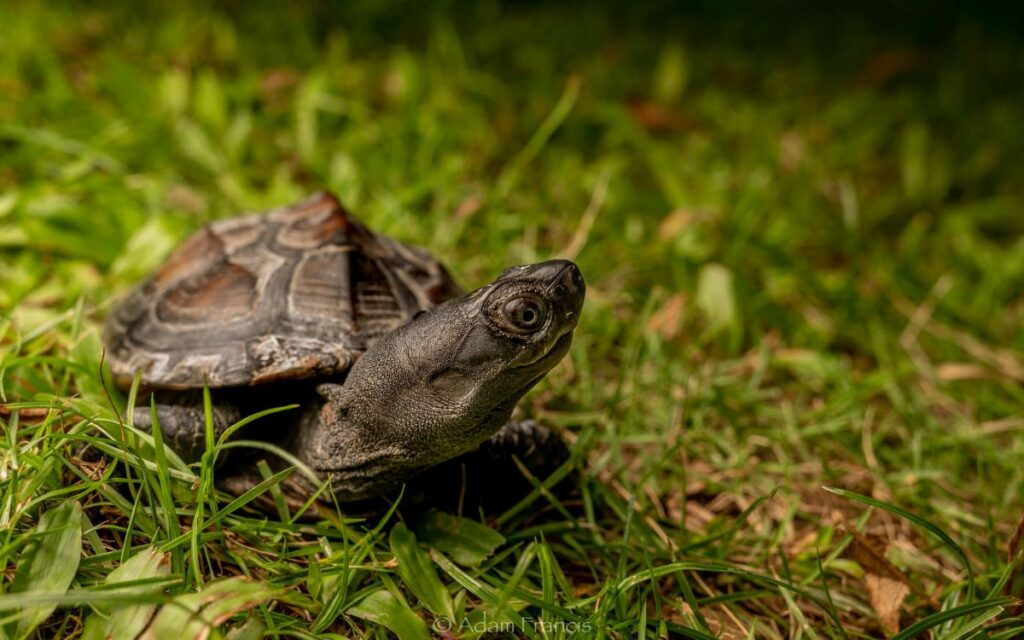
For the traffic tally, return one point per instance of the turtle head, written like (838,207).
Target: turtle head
(446,381)
(513,331)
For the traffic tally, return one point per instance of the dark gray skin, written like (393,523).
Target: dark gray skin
(444,383)
(433,389)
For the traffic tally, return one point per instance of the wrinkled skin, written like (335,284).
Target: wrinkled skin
(443,384)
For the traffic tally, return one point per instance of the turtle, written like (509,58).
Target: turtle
(394,367)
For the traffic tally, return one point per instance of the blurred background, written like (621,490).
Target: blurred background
(802,225)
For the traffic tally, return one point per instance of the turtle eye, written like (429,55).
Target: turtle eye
(524,314)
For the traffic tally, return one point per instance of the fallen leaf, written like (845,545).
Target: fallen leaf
(28,415)
(657,118)
(674,223)
(667,320)
(886,585)
(185,198)
(792,150)
(892,64)
(887,596)
(468,207)
(952,371)
(276,85)
(1015,585)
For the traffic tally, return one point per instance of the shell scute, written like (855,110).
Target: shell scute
(216,295)
(198,254)
(320,288)
(297,292)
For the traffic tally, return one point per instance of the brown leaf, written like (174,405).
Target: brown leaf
(26,413)
(886,597)
(468,207)
(276,85)
(792,150)
(952,371)
(674,223)
(667,321)
(1016,540)
(1015,585)
(657,118)
(892,64)
(180,196)
(886,585)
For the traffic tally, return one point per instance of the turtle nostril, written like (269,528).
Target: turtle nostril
(575,278)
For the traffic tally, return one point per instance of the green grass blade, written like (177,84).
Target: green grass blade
(418,573)
(963,611)
(166,501)
(128,621)
(466,541)
(919,521)
(383,608)
(196,615)
(49,563)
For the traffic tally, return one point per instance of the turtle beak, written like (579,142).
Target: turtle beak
(566,290)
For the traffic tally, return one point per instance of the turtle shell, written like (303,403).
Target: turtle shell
(293,293)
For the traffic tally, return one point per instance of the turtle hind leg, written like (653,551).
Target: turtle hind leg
(184,426)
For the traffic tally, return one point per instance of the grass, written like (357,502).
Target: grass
(804,245)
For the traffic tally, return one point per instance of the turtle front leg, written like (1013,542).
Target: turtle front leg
(539,449)
(184,427)
(488,479)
